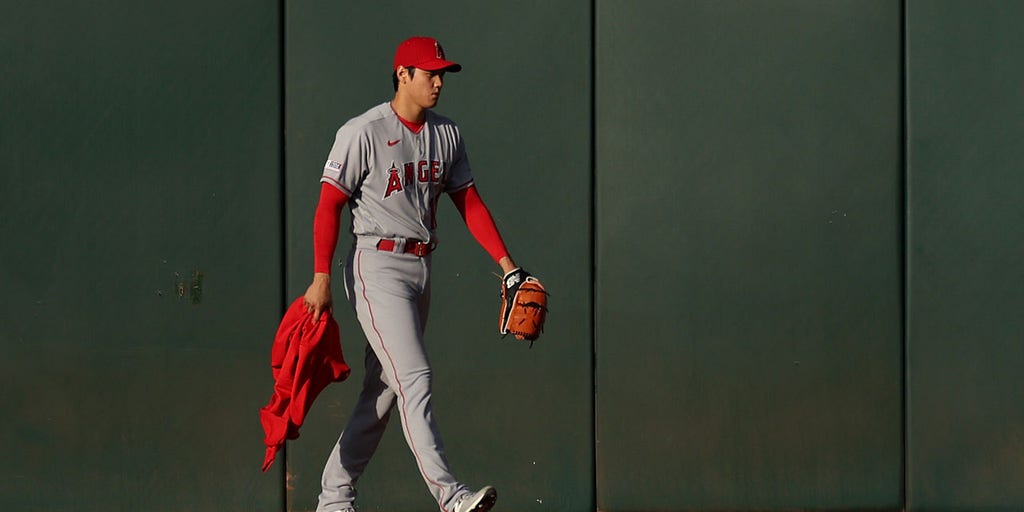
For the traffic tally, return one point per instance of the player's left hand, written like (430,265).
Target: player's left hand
(524,305)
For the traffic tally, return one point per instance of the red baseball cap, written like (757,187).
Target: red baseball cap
(423,53)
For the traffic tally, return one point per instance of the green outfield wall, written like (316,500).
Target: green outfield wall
(749,284)
(965,437)
(782,240)
(140,148)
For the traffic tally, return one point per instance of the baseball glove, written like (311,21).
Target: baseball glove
(524,306)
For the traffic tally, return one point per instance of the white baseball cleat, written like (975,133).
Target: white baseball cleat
(480,501)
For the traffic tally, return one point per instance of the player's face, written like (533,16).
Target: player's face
(425,87)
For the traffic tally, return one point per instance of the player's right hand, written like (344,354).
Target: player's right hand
(318,296)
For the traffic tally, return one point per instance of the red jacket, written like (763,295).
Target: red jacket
(305,358)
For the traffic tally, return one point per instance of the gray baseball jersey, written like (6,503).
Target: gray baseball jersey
(395,177)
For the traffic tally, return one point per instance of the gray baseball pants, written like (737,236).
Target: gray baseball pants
(390,293)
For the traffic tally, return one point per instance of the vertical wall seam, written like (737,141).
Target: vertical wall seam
(593,250)
(282,209)
(905,153)
(282,163)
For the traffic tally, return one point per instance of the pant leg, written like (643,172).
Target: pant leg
(358,441)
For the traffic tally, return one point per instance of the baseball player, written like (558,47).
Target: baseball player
(391,165)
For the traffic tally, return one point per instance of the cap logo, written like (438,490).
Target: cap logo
(438,50)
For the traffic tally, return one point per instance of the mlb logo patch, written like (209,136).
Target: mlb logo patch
(331,164)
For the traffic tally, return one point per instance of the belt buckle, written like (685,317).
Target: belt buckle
(421,249)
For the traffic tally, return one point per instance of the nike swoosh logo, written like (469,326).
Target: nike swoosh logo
(393,142)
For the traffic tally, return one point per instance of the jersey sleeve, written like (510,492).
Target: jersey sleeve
(326,223)
(479,221)
(460,176)
(348,161)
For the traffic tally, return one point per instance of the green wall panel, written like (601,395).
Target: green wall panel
(139,150)
(966,121)
(748,234)
(517,418)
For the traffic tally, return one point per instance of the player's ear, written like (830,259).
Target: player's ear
(403,74)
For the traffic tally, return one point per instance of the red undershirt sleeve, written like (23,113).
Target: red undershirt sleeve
(326,223)
(479,221)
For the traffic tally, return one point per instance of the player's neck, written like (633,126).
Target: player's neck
(408,110)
